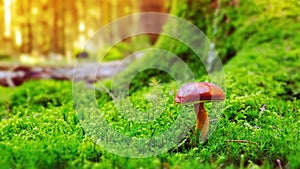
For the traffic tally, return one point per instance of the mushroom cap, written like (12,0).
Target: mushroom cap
(199,92)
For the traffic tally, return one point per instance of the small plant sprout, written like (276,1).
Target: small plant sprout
(198,93)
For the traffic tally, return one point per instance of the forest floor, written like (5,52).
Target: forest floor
(259,127)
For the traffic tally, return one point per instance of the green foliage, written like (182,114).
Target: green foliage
(47,138)
(259,127)
(125,48)
(44,94)
(4,57)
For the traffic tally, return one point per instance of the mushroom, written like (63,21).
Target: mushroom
(198,93)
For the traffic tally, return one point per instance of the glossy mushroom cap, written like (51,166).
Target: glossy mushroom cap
(198,92)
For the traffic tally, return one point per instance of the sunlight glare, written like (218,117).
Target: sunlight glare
(18,37)
(81,26)
(7,17)
(35,11)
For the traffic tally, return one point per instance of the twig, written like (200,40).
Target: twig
(242,141)
(279,163)
(9,80)
(238,141)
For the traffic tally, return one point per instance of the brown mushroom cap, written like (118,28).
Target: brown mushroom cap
(199,91)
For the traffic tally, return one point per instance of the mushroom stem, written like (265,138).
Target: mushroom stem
(202,120)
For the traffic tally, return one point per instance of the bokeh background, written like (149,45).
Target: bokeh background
(42,31)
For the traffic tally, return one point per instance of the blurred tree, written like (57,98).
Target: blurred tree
(62,26)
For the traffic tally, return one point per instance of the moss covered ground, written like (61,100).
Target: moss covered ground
(258,129)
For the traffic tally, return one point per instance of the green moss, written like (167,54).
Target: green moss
(259,125)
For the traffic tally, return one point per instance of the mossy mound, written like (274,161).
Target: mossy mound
(259,127)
